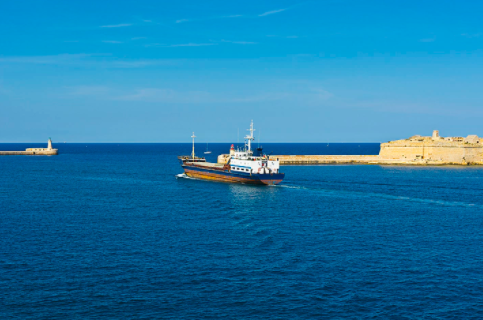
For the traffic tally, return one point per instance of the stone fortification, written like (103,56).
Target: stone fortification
(49,151)
(416,150)
(435,150)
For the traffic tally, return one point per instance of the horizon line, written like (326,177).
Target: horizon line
(181,142)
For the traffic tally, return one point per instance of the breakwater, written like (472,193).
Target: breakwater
(49,151)
(29,153)
(363,159)
(325,159)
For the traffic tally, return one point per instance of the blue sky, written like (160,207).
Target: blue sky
(314,71)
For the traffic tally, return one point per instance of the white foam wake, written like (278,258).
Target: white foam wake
(184,176)
(342,193)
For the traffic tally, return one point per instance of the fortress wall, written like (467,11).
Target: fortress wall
(447,152)
(401,152)
(474,155)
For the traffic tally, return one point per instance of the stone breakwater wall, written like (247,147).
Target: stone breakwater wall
(49,151)
(323,159)
(364,159)
(52,152)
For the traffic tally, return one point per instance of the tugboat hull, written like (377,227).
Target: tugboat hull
(234,177)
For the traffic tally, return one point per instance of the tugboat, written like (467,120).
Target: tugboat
(241,166)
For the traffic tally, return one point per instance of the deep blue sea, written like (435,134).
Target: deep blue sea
(108,231)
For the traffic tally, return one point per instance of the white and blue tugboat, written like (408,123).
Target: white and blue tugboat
(240,166)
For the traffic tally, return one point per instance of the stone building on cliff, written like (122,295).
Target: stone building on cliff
(434,149)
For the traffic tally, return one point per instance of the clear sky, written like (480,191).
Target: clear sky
(314,71)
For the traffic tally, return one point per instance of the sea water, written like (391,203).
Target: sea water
(115,231)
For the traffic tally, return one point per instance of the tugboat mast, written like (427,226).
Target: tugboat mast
(250,137)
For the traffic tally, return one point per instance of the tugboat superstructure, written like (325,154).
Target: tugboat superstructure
(242,166)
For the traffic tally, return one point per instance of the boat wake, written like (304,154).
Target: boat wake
(289,186)
(184,176)
(342,193)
